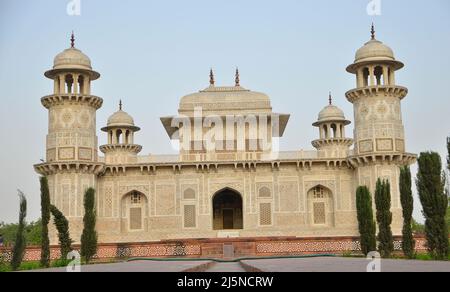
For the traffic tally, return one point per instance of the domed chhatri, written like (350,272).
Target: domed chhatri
(121,119)
(331,113)
(72,59)
(374,51)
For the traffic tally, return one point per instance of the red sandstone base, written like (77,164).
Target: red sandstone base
(222,248)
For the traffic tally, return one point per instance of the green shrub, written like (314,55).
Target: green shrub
(28,266)
(61,263)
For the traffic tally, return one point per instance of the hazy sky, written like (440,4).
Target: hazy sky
(151,53)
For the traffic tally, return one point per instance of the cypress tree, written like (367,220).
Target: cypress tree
(448,149)
(62,225)
(89,236)
(367,228)
(20,244)
(45,215)
(407,200)
(434,199)
(384,218)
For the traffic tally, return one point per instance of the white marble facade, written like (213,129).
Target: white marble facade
(243,188)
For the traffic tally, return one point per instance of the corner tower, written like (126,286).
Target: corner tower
(379,133)
(71,164)
(333,142)
(120,148)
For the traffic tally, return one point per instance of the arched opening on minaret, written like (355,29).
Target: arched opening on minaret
(81,84)
(127,137)
(69,83)
(366,75)
(379,75)
(119,136)
(227,210)
(325,132)
(334,129)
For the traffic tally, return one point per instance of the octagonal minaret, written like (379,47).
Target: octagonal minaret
(71,164)
(379,132)
(333,142)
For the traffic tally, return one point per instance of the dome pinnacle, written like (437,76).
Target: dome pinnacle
(72,40)
(373,31)
(330,99)
(212,82)
(238,81)
(120,105)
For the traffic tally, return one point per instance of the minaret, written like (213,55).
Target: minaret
(331,123)
(120,148)
(379,132)
(71,164)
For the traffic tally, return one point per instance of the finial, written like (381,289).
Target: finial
(72,40)
(238,81)
(373,31)
(212,82)
(330,98)
(120,105)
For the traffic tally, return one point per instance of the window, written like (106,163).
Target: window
(189,194)
(319,213)
(135,198)
(321,206)
(319,193)
(190,216)
(265,214)
(264,192)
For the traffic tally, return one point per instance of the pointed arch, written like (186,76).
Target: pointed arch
(320,206)
(134,212)
(227,206)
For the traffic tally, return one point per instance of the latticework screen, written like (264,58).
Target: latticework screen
(136,218)
(265,214)
(189,216)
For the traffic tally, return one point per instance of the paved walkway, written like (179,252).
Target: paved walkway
(345,265)
(226,268)
(324,264)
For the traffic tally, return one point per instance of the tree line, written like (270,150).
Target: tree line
(22,234)
(432,188)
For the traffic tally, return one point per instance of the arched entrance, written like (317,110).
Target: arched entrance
(227,210)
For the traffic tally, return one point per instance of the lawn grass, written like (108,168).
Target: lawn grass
(418,257)
(35,265)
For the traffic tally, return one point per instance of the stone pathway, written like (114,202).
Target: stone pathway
(226,268)
(324,264)
(330,264)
